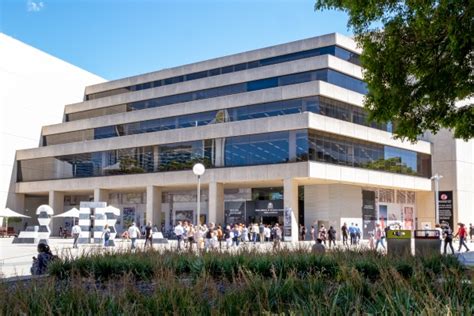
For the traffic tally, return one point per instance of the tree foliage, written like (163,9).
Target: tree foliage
(419,62)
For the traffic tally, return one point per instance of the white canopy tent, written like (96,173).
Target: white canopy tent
(74,212)
(9,213)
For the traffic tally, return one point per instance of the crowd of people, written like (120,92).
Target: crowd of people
(214,236)
(207,237)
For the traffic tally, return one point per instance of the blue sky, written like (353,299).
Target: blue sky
(120,38)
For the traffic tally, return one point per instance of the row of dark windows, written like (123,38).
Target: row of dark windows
(319,105)
(248,150)
(328,50)
(327,75)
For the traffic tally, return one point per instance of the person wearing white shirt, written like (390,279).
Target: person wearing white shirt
(133,233)
(179,232)
(76,231)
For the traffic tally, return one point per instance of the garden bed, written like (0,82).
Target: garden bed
(244,283)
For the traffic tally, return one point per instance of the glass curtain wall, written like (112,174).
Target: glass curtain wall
(331,50)
(327,75)
(248,150)
(319,105)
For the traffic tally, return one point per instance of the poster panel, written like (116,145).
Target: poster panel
(446,207)
(128,216)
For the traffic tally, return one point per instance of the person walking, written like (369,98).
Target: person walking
(379,237)
(76,231)
(358,234)
(352,234)
(448,238)
(312,233)
(133,233)
(471,231)
(462,233)
(345,234)
(149,235)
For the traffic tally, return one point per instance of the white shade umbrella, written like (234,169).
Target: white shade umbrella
(9,213)
(74,212)
(112,209)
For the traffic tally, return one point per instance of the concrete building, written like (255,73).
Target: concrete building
(281,131)
(35,87)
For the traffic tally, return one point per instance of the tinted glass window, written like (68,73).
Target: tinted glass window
(332,50)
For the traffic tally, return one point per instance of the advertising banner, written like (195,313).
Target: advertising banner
(445,199)
(369,212)
(287,223)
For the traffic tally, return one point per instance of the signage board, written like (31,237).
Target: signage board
(445,200)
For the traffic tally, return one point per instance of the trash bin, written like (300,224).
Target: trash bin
(427,242)
(399,242)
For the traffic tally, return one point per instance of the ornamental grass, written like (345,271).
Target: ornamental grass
(245,283)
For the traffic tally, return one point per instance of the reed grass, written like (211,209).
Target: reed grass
(245,283)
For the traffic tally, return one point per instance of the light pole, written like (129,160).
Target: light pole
(436,179)
(198,170)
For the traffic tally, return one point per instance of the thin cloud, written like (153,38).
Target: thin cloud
(34,6)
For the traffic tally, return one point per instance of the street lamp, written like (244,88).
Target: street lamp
(198,170)
(436,179)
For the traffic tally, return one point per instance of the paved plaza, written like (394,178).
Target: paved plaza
(16,259)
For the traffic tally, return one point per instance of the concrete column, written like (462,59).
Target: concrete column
(216,203)
(290,200)
(153,205)
(292,146)
(101,195)
(219,152)
(56,201)
(156,160)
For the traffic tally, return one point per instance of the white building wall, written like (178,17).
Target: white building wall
(331,202)
(35,87)
(465,181)
(454,160)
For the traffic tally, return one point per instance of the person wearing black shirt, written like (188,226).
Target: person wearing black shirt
(345,234)
(149,234)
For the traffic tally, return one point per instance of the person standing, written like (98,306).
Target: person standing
(471,231)
(254,230)
(133,233)
(149,234)
(276,234)
(303,233)
(312,233)
(448,238)
(345,234)
(179,232)
(76,231)
(106,235)
(261,231)
(323,234)
(462,233)
(268,233)
(332,236)
(379,236)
